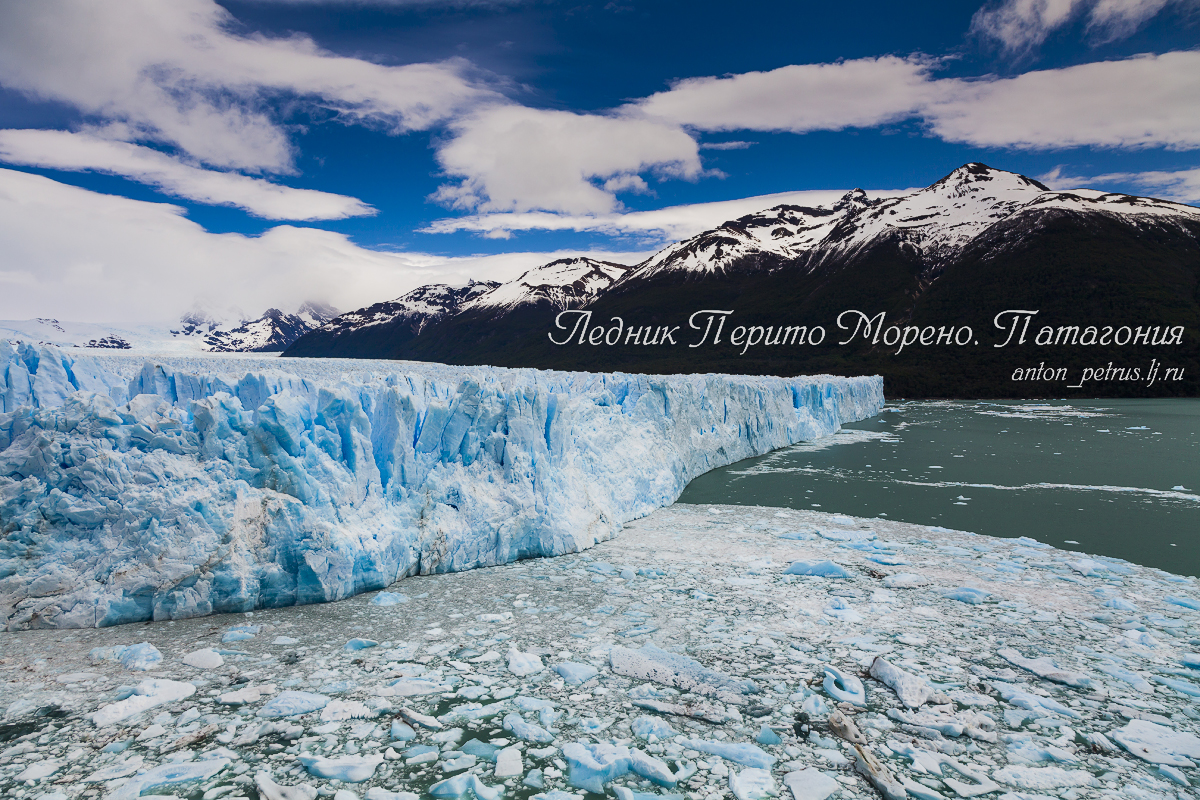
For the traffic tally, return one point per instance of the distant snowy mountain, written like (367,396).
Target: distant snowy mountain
(273,332)
(386,327)
(565,283)
(935,224)
(200,330)
(393,321)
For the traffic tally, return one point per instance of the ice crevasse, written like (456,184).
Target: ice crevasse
(165,489)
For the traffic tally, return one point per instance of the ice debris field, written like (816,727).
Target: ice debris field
(705,653)
(133,490)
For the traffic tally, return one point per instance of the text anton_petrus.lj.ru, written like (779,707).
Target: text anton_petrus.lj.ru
(1089,375)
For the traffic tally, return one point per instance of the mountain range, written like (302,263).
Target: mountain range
(199,330)
(944,261)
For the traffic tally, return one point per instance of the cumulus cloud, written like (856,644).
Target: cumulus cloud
(178,74)
(513,158)
(1020,26)
(669,224)
(798,98)
(1146,101)
(78,152)
(80,255)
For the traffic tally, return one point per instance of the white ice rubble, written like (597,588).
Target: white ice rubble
(135,490)
(679,661)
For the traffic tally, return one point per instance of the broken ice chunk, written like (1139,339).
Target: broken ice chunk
(752,784)
(522,664)
(140,657)
(1042,778)
(574,673)
(822,569)
(270,790)
(671,669)
(350,769)
(460,784)
(247,694)
(650,768)
(1158,744)
(169,775)
(148,694)
(745,754)
(967,594)
(1045,668)
(360,644)
(840,609)
(644,727)
(905,580)
(593,765)
(527,731)
(401,732)
(292,704)
(910,689)
(810,784)
(240,633)
(389,599)
(509,763)
(844,687)
(206,658)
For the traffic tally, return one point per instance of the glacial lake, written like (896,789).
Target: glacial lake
(1112,477)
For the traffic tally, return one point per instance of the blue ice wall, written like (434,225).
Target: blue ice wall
(134,490)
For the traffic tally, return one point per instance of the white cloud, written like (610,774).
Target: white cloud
(669,224)
(513,158)
(1145,101)
(84,256)
(176,73)
(1183,185)
(79,152)
(1022,25)
(798,98)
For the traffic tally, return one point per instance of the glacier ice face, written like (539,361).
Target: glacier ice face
(134,490)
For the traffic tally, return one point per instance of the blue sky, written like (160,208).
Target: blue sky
(272,151)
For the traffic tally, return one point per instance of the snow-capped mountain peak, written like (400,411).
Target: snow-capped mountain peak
(416,309)
(938,220)
(565,283)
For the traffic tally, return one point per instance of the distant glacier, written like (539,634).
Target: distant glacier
(133,490)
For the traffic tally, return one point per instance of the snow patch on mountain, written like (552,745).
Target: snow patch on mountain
(565,283)
(184,486)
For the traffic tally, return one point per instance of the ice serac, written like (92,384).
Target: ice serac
(134,490)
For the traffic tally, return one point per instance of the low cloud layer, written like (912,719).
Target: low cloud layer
(80,255)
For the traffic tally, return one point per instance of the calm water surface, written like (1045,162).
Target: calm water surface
(1114,477)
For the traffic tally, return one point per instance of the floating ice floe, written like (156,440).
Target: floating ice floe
(1158,743)
(822,569)
(148,694)
(350,769)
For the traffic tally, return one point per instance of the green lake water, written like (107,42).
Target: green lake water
(1112,477)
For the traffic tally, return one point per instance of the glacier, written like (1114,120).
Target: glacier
(180,486)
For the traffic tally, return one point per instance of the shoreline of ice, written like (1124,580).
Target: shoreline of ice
(932,664)
(133,490)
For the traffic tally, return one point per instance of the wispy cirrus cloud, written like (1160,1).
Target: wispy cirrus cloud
(661,225)
(80,152)
(1021,26)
